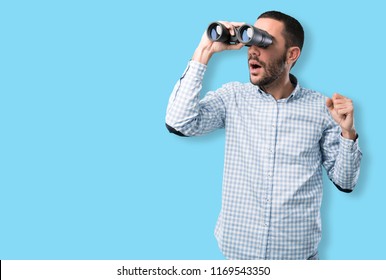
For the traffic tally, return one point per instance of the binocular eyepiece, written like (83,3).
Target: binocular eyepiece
(246,34)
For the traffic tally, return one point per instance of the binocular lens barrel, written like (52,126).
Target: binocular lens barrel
(252,36)
(246,34)
(217,32)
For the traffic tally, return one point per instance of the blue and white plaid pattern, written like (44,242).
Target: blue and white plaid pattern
(275,150)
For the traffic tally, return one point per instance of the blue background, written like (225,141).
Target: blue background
(87,168)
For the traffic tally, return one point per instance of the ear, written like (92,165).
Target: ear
(293,54)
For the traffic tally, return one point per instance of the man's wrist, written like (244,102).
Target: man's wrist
(349,134)
(202,55)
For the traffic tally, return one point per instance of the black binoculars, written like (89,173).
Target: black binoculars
(246,34)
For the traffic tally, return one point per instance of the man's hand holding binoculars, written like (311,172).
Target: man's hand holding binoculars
(208,47)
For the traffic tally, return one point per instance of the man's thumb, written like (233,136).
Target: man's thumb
(329,104)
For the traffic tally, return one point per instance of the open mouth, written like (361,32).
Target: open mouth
(253,64)
(254,67)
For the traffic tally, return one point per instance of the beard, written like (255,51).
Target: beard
(272,71)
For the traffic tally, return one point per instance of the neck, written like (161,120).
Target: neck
(280,88)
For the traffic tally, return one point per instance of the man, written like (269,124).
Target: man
(278,137)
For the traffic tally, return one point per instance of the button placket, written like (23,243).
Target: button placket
(269,171)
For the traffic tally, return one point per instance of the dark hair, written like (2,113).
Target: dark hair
(293,30)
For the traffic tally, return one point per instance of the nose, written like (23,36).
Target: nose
(254,50)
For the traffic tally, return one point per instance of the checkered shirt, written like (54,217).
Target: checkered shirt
(275,150)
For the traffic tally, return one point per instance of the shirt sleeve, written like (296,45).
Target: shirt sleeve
(341,157)
(186,114)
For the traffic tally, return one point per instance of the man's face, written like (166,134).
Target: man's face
(267,65)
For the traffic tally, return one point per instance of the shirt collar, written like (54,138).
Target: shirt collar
(293,94)
(296,85)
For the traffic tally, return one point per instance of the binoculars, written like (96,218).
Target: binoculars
(246,34)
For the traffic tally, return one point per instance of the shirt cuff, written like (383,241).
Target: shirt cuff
(196,69)
(348,144)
